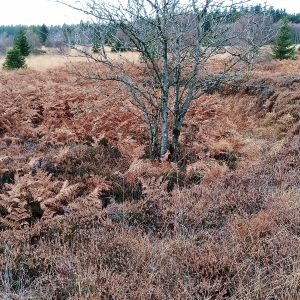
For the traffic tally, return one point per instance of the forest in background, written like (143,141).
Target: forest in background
(60,35)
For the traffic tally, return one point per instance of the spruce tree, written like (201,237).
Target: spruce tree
(43,34)
(96,45)
(14,59)
(283,47)
(21,42)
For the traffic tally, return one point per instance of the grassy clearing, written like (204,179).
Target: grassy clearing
(53,59)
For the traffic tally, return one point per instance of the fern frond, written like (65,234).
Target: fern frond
(154,187)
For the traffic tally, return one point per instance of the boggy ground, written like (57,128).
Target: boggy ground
(86,214)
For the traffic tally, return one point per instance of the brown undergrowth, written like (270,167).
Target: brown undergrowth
(86,214)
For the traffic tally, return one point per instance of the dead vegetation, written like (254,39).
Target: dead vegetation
(85,213)
(53,58)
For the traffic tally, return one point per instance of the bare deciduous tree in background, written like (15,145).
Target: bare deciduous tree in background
(177,42)
(6,42)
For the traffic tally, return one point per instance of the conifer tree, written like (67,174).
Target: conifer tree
(21,42)
(283,47)
(43,34)
(14,59)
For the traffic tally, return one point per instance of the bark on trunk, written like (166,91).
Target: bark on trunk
(164,129)
(177,124)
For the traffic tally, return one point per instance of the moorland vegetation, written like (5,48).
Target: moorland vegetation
(86,212)
(85,215)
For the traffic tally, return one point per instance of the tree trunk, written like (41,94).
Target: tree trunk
(177,124)
(154,141)
(164,129)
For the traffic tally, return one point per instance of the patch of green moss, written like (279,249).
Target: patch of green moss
(267,123)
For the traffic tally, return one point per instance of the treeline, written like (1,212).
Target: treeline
(52,36)
(276,14)
(12,30)
(234,14)
(37,36)
(85,32)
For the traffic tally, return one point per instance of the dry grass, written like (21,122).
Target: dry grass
(83,216)
(53,59)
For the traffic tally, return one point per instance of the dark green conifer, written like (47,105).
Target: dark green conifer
(43,34)
(21,42)
(284,47)
(14,59)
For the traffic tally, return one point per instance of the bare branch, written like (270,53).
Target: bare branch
(186,49)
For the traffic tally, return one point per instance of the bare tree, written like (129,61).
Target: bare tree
(6,41)
(178,43)
(295,29)
(33,40)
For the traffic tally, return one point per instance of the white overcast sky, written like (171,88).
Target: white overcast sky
(37,12)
